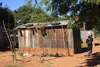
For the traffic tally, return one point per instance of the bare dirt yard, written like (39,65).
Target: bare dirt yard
(77,60)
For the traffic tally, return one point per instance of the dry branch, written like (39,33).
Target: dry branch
(34,26)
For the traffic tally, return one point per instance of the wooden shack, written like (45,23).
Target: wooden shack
(49,37)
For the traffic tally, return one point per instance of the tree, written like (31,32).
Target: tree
(88,10)
(29,2)
(7,16)
(29,14)
(84,10)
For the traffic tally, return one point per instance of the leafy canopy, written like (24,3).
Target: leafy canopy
(29,14)
(7,16)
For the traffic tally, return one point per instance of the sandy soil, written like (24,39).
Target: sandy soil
(78,60)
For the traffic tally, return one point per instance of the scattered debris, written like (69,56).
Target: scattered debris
(27,54)
(51,55)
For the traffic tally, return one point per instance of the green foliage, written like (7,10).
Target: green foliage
(92,1)
(96,32)
(18,60)
(13,55)
(31,15)
(90,15)
(52,30)
(84,46)
(70,25)
(12,66)
(89,10)
(29,2)
(7,16)
(49,66)
(42,60)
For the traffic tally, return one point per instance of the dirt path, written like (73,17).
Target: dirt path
(78,60)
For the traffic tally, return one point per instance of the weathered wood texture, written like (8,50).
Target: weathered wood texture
(50,38)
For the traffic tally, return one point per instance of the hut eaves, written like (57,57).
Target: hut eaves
(38,25)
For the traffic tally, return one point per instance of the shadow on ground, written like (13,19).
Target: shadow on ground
(92,61)
(83,50)
(96,44)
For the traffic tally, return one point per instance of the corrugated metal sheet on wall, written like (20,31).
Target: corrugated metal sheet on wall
(52,38)
(84,35)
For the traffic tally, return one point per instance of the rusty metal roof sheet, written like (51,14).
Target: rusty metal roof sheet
(61,23)
(48,24)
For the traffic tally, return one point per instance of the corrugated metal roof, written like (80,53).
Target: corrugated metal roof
(49,24)
(26,25)
(61,23)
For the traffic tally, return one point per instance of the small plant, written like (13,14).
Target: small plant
(11,66)
(48,66)
(71,56)
(18,60)
(70,24)
(83,46)
(42,61)
(52,30)
(21,54)
(51,63)
(13,56)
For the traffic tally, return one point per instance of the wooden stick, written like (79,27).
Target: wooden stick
(7,35)
(64,40)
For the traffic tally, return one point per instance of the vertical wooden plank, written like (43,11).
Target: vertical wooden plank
(19,41)
(24,38)
(27,37)
(31,38)
(70,38)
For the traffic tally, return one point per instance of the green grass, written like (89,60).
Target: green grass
(48,66)
(70,56)
(41,61)
(97,39)
(12,66)
(18,60)
(84,46)
(78,53)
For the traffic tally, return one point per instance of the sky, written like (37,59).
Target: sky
(14,4)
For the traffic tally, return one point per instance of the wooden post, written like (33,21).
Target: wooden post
(64,39)
(7,35)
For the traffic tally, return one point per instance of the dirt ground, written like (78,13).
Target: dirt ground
(77,60)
